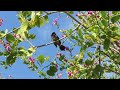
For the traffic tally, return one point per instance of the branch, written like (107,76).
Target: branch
(112,70)
(10,32)
(112,49)
(54,41)
(50,12)
(29,42)
(75,19)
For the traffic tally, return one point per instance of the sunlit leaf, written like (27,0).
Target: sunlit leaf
(41,59)
(22,30)
(47,58)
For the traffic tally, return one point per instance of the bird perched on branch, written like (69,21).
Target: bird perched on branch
(57,42)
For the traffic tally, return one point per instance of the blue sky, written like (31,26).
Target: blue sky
(20,70)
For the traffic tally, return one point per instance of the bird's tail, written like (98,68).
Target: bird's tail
(62,48)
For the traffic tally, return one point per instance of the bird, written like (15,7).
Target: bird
(57,42)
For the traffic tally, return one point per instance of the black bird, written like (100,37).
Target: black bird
(57,42)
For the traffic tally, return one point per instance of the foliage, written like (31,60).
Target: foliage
(98,30)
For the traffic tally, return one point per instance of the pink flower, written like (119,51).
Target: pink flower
(1,20)
(90,12)
(67,48)
(77,72)
(58,55)
(65,60)
(56,65)
(31,59)
(85,65)
(55,21)
(14,35)
(78,15)
(7,47)
(96,62)
(1,42)
(17,36)
(71,64)
(69,74)
(63,36)
(60,75)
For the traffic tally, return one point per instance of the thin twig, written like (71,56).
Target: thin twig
(30,43)
(10,32)
(75,19)
(54,41)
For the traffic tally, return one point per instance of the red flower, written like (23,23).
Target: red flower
(58,55)
(31,59)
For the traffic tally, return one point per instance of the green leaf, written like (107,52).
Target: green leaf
(71,12)
(37,21)
(46,18)
(114,28)
(11,59)
(80,33)
(99,68)
(104,14)
(90,54)
(22,30)
(2,34)
(50,73)
(53,69)
(41,21)
(47,58)
(41,59)
(31,36)
(61,57)
(103,36)
(89,62)
(106,44)
(33,15)
(31,49)
(114,12)
(1,53)
(94,34)
(10,38)
(115,18)
(104,22)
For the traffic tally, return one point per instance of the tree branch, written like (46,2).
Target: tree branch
(10,32)
(75,19)
(54,41)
